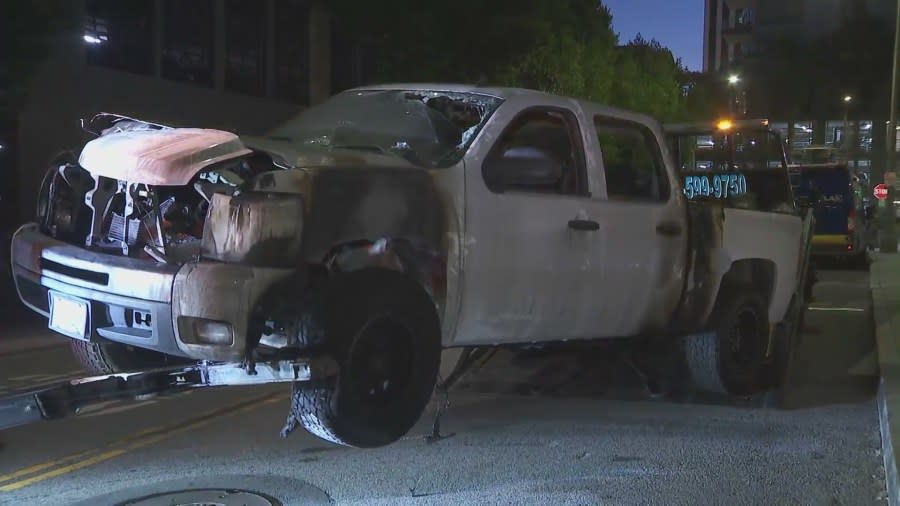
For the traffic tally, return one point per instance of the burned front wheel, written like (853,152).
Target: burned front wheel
(383,331)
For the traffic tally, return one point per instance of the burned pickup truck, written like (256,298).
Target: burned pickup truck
(390,223)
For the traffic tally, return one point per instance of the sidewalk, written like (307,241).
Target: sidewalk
(884,279)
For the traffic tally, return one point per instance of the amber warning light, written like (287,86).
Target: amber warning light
(724,125)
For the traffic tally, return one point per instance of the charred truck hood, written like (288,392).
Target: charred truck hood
(165,157)
(174,195)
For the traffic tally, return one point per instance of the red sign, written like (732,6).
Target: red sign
(880,191)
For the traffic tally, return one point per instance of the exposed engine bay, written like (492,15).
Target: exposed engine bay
(164,223)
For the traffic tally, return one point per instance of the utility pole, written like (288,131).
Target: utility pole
(888,218)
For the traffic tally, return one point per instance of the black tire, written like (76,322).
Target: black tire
(812,277)
(383,331)
(730,357)
(108,357)
(787,339)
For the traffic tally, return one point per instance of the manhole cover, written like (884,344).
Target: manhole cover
(204,497)
(221,490)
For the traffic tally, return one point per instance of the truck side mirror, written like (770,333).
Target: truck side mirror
(521,167)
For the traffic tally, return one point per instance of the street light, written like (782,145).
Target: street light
(845,130)
(734,79)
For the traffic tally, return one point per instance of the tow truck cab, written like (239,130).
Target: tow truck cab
(829,188)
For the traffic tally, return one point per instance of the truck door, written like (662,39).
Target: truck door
(643,237)
(529,253)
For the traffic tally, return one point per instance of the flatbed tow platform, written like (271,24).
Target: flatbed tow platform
(69,398)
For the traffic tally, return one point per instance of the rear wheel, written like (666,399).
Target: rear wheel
(106,357)
(730,357)
(384,333)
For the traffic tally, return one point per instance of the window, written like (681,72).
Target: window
(292,50)
(351,62)
(631,161)
(549,134)
(118,35)
(743,169)
(424,127)
(188,40)
(245,46)
(743,17)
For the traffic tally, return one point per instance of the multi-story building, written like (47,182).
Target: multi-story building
(242,65)
(735,28)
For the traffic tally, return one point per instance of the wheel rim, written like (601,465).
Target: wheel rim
(380,365)
(743,341)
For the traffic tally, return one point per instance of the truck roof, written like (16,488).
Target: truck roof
(498,92)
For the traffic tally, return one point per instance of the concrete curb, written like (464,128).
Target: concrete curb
(884,280)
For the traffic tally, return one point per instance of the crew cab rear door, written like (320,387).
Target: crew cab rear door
(643,220)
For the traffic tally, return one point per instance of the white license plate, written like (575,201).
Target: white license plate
(68,315)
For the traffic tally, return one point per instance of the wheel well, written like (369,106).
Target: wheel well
(757,273)
(298,299)
(424,265)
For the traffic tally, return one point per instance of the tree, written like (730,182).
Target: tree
(567,48)
(575,62)
(648,79)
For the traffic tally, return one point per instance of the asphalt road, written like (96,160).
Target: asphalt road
(568,427)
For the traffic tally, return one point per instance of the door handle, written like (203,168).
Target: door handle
(587,225)
(669,228)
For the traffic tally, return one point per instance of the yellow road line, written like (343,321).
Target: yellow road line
(63,470)
(43,465)
(140,439)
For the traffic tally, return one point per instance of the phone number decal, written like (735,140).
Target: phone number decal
(720,186)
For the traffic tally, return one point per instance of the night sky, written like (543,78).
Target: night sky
(676,24)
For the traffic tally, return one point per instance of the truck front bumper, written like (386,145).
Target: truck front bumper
(143,303)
